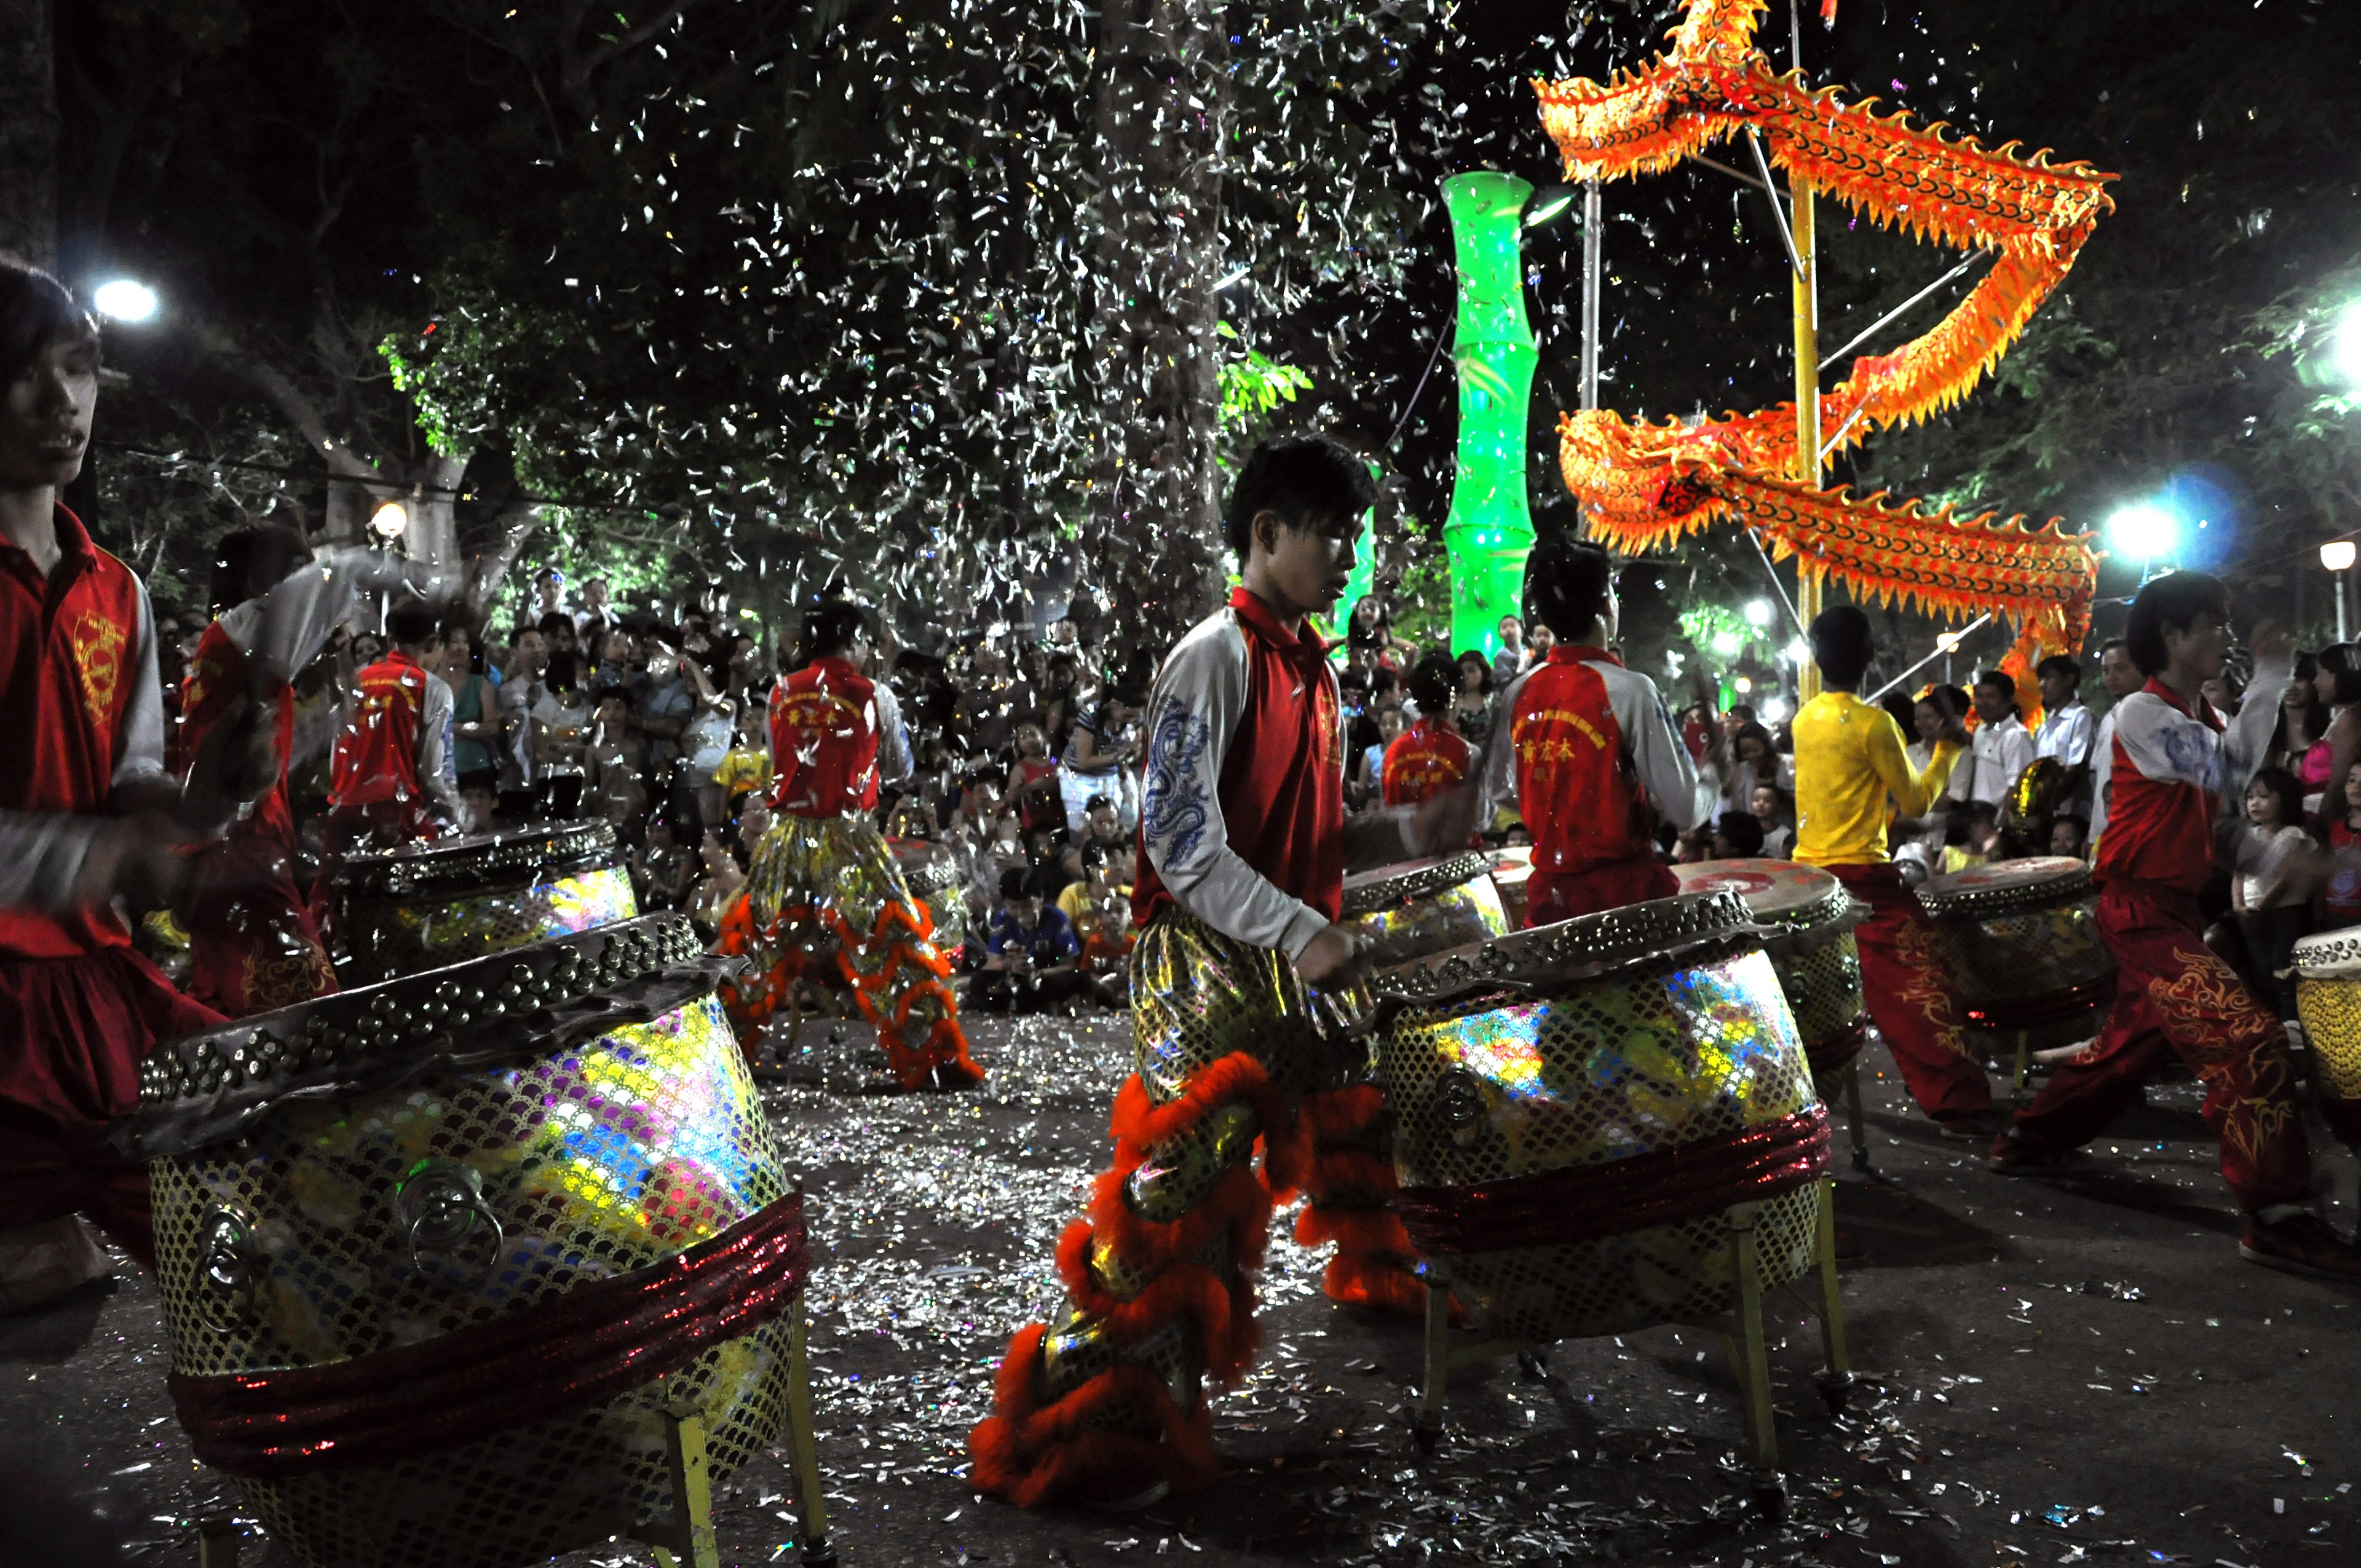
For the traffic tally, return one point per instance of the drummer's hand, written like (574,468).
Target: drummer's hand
(237,763)
(1333,961)
(2272,644)
(1445,822)
(136,858)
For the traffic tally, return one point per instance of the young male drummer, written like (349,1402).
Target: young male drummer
(391,781)
(1849,759)
(1431,756)
(1588,746)
(87,809)
(1245,849)
(2173,767)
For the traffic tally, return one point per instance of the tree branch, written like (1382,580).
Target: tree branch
(294,403)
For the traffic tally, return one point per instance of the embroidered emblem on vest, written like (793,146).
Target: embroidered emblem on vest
(97,646)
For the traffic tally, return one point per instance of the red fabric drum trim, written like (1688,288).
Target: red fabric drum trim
(1588,1203)
(565,1352)
(1835,1051)
(2052,1007)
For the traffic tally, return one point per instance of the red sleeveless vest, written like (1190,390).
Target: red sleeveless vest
(69,644)
(1423,761)
(215,677)
(377,753)
(1582,801)
(824,740)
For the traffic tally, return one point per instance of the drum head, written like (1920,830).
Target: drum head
(1384,887)
(1773,889)
(1511,867)
(2008,885)
(2330,955)
(1572,950)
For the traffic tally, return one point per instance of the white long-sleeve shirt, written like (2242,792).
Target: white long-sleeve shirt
(1994,763)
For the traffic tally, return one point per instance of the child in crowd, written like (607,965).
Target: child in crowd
(2271,908)
(479,801)
(1033,787)
(1775,812)
(2340,896)
(2069,835)
(1971,835)
(1737,836)
(1032,958)
(746,767)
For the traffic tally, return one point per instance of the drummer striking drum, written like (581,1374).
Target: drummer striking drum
(2170,766)
(1246,848)
(1849,758)
(1589,745)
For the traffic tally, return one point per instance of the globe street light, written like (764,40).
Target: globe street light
(125,300)
(2148,531)
(1758,613)
(2337,556)
(2346,353)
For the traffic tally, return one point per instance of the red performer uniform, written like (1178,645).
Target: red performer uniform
(2171,767)
(253,943)
(835,735)
(82,705)
(1587,745)
(1244,840)
(386,781)
(1424,761)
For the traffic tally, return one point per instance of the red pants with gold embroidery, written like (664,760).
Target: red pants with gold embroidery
(1907,987)
(1553,896)
(2174,997)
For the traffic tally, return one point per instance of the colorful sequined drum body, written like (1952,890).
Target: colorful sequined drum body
(1424,906)
(2023,941)
(447,900)
(340,1184)
(1807,920)
(935,879)
(1579,1105)
(2328,998)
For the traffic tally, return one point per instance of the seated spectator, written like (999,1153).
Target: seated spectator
(721,878)
(663,867)
(1099,907)
(1737,836)
(2068,836)
(479,795)
(1775,810)
(1033,787)
(1031,958)
(1971,835)
(1102,825)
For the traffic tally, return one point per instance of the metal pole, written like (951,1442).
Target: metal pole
(1940,653)
(1593,281)
(2336,579)
(1877,325)
(1776,586)
(1807,354)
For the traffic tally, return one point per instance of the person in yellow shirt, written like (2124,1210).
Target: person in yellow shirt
(1849,759)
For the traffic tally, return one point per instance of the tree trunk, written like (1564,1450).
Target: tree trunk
(28,132)
(1161,112)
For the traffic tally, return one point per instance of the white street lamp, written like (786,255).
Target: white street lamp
(125,300)
(2148,531)
(1758,613)
(2337,556)
(388,522)
(2346,353)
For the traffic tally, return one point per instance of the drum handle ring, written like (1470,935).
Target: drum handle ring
(440,1201)
(226,1282)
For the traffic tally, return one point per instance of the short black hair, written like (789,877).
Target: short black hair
(2175,600)
(2114,642)
(36,311)
(1566,580)
(2065,667)
(829,625)
(612,693)
(1016,883)
(1304,478)
(413,626)
(1743,831)
(1433,683)
(1843,644)
(485,779)
(251,560)
(1096,800)
(2004,683)
(556,620)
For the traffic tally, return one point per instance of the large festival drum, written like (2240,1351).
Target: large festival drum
(1424,906)
(1580,1105)
(2022,937)
(934,877)
(2328,998)
(1807,920)
(442,901)
(437,1254)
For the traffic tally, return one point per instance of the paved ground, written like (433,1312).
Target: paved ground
(2064,1373)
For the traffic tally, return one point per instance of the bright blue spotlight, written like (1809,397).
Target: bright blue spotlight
(2146,530)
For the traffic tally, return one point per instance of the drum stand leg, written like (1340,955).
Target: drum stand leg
(1752,1363)
(2024,1061)
(687,1541)
(1836,1388)
(216,1543)
(818,1552)
(1853,1123)
(1427,1423)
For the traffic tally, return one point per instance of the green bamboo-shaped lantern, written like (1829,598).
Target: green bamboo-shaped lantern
(1490,530)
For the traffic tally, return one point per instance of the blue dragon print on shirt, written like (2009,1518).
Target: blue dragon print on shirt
(1174,811)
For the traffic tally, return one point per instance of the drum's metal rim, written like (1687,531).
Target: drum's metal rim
(1583,948)
(205,1088)
(1833,903)
(464,865)
(2022,898)
(1450,871)
(2332,955)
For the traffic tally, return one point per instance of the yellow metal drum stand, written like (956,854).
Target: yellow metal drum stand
(2022,937)
(1607,1125)
(1807,920)
(475,1268)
